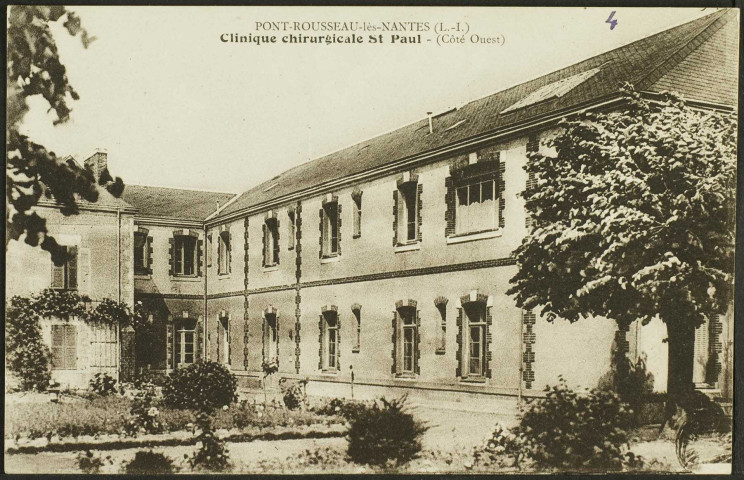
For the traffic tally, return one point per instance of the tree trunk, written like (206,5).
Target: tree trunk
(681,341)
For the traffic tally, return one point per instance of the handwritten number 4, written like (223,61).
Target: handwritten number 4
(611,21)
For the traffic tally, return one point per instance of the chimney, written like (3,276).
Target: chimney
(431,126)
(98,162)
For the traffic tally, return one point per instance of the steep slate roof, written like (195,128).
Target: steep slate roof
(174,203)
(654,63)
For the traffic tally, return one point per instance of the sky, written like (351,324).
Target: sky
(175,106)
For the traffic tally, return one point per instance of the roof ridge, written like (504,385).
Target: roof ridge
(178,188)
(680,54)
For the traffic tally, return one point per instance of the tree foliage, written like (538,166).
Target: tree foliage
(633,216)
(34,68)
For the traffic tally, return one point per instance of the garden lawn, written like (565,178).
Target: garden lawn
(76,416)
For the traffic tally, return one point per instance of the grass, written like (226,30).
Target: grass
(98,415)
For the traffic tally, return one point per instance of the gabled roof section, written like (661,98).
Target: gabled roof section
(642,63)
(174,203)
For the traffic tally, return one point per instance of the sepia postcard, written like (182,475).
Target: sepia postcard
(306,240)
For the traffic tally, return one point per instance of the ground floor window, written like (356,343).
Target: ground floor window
(64,347)
(270,338)
(184,341)
(474,331)
(407,340)
(329,333)
(224,340)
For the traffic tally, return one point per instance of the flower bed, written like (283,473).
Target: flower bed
(101,415)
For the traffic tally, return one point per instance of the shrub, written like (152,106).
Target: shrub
(203,385)
(144,415)
(89,463)
(212,454)
(294,393)
(149,462)
(103,384)
(502,449)
(384,432)
(568,431)
(349,409)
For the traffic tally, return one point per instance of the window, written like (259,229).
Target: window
(271,242)
(64,277)
(475,339)
(224,340)
(224,254)
(184,343)
(357,215)
(329,233)
(141,253)
(357,311)
(64,347)
(184,262)
(270,337)
(407,217)
(209,253)
(476,207)
(442,335)
(407,341)
(291,228)
(330,340)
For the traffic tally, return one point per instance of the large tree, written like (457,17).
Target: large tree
(633,218)
(34,68)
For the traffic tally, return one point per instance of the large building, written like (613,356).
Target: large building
(388,261)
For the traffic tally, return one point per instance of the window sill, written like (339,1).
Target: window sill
(410,247)
(331,259)
(357,235)
(471,237)
(271,268)
(143,275)
(405,376)
(440,351)
(185,278)
(477,380)
(356,350)
(223,276)
(329,372)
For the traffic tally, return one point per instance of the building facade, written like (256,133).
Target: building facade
(384,267)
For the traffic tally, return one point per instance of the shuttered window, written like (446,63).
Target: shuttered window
(64,277)
(64,347)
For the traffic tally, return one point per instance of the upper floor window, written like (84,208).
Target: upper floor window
(407,206)
(141,253)
(330,223)
(224,252)
(65,276)
(184,261)
(291,228)
(476,207)
(271,242)
(357,198)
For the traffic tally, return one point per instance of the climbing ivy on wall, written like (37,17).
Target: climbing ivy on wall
(26,354)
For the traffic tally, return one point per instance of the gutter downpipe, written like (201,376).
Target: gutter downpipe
(521,362)
(118,289)
(206,275)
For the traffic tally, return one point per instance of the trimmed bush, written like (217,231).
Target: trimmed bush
(384,433)
(149,462)
(89,463)
(103,384)
(203,385)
